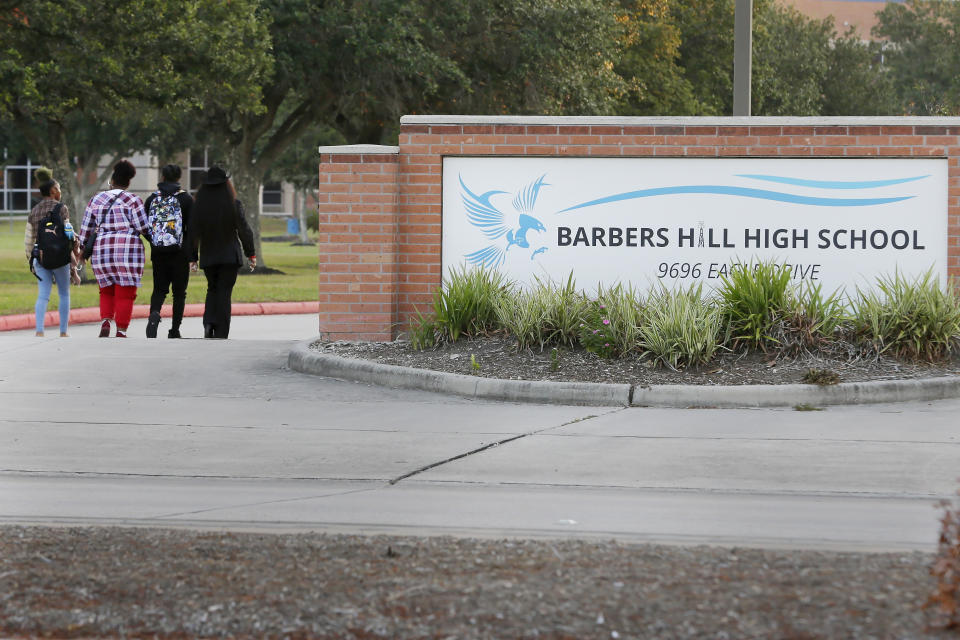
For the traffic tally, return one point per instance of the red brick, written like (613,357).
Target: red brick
(605,130)
(605,150)
(766,131)
(573,131)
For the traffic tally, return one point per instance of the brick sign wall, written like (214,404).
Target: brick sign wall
(380,207)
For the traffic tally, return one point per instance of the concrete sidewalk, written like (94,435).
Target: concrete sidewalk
(242,327)
(222,434)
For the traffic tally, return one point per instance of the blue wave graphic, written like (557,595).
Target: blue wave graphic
(742,192)
(831,184)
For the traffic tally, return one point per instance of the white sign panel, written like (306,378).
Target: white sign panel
(838,222)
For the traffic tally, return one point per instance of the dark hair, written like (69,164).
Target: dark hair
(123,173)
(214,212)
(170,172)
(45,179)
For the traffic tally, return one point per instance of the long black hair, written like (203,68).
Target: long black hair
(214,211)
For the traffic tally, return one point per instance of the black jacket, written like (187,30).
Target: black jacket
(186,208)
(226,249)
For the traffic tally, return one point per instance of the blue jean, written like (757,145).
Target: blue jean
(44,286)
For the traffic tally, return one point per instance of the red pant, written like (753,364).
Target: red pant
(116,303)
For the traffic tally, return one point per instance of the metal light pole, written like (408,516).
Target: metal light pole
(742,56)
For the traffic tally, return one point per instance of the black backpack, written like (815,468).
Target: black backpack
(53,246)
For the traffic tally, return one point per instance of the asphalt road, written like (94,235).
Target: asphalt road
(221,434)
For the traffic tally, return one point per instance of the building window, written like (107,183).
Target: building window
(199,163)
(16,189)
(272,194)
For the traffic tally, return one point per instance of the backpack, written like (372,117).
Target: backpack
(166,220)
(53,246)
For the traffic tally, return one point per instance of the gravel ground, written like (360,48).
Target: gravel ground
(498,358)
(82,582)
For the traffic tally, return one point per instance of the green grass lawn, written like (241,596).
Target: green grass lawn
(18,287)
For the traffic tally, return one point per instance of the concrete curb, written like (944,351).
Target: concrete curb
(92,314)
(306,360)
(789,395)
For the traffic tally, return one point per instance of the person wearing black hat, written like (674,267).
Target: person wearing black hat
(222,237)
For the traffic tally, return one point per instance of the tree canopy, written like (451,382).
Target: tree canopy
(924,54)
(81,78)
(356,66)
(263,82)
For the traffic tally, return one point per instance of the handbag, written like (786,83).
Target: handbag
(91,239)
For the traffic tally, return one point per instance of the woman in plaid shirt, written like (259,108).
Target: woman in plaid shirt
(118,254)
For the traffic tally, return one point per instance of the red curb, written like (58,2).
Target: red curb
(92,314)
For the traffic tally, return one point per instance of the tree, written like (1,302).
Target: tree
(801,66)
(923,54)
(654,81)
(79,78)
(357,66)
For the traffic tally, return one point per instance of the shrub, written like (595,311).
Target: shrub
(680,328)
(313,220)
(564,311)
(422,332)
(946,569)
(624,309)
(913,319)
(752,296)
(466,305)
(809,321)
(595,331)
(522,315)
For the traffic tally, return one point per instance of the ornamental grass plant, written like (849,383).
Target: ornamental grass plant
(564,311)
(757,307)
(680,328)
(916,319)
(810,320)
(752,297)
(523,316)
(622,306)
(466,304)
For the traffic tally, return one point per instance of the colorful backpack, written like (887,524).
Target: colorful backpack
(166,220)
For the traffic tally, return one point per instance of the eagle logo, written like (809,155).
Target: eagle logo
(496,225)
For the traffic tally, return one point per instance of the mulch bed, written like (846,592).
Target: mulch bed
(96,582)
(497,357)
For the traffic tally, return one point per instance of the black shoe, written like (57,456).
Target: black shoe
(208,331)
(173,333)
(152,324)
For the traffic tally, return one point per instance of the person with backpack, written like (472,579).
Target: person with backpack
(112,225)
(168,210)
(221,231)
(52,251)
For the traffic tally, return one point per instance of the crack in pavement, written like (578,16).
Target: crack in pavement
(266,502)
(497,444)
